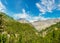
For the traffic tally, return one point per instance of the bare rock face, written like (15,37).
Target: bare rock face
(22,20)
(40,25)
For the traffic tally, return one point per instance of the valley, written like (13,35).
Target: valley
(13,31)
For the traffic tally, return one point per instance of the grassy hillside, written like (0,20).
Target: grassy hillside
(19,32)
(51,34)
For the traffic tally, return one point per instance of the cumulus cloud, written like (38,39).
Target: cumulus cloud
(47,6)
(2,7)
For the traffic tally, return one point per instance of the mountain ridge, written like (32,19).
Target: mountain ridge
(23,20)
(40,25)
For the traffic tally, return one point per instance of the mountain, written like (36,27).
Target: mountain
(42,24)
(23,20)
(51,34)
(12,31)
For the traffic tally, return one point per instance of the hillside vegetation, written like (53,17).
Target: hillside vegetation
(51,34)
(12,31)
(19,32)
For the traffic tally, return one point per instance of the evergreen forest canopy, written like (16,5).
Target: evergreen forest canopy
(12,31)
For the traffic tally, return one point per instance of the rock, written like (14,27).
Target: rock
(39,25)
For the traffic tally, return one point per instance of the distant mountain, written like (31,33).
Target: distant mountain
(23,20)
(40,25)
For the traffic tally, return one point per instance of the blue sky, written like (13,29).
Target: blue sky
(31,10)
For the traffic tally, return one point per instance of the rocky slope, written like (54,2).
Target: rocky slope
(40,25)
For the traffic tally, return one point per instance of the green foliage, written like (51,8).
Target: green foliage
(15,32)
(53,34)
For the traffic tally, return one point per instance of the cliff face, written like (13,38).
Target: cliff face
(39,25)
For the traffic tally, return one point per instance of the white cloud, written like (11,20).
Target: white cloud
(47,6)
(36,18)
(41,8)
(22,15)
(26,16)
(58,6)
(2,7)
(29,17)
